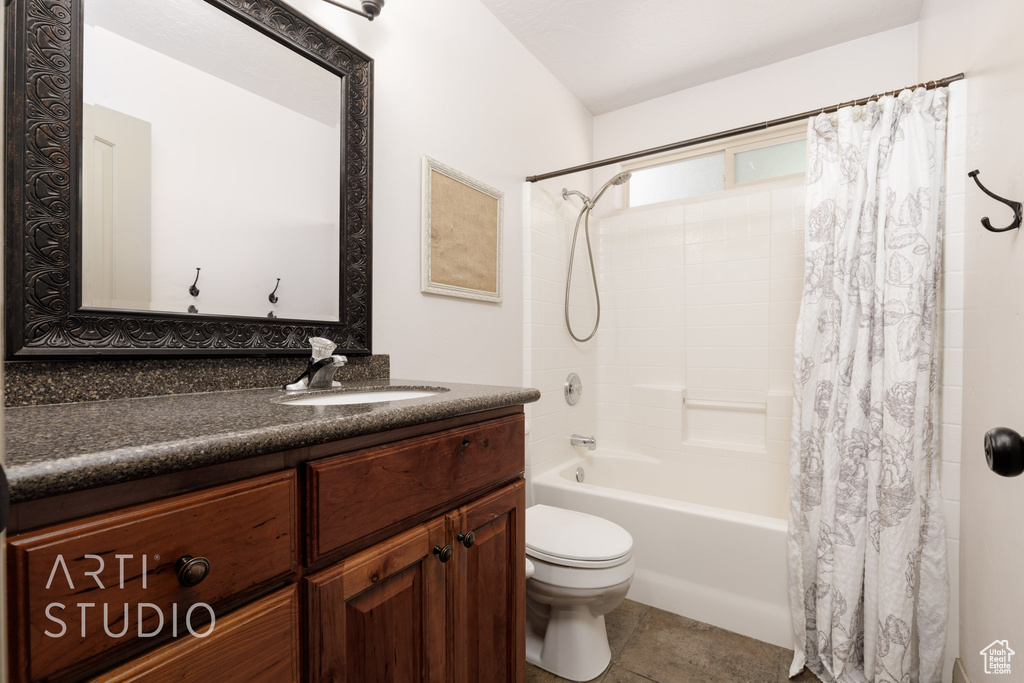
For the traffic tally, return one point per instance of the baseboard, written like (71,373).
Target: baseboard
(959,675)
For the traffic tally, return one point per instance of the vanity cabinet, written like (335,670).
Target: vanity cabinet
(440,603)
(363,560)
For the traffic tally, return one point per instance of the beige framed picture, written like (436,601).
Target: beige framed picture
(462,232)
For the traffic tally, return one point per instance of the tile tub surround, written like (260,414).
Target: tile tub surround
(45,382)
(650,645)
(56,449)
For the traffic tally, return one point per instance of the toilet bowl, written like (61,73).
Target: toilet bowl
(583,566)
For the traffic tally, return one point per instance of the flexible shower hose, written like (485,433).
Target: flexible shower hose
(585,217)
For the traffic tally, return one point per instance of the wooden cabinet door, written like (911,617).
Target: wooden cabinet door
(486,588)
(379,616)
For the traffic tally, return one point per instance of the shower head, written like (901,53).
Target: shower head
(617,179)
(588,203)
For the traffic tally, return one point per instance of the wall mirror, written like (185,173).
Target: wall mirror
(185,177)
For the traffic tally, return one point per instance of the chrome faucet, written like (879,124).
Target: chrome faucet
(588,441)
(319,372)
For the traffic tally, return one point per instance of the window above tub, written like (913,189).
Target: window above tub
(721,165)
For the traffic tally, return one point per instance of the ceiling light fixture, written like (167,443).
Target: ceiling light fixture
(370,8)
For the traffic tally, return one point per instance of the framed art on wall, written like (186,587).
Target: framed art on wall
(462,234)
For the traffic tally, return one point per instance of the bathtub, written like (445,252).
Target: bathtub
(709,533)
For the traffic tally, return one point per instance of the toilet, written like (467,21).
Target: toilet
(582,568)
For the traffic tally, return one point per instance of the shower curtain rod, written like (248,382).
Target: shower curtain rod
(735,131)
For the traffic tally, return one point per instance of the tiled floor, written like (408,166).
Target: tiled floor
(649,644)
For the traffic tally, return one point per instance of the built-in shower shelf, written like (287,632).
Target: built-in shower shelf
(736,406)
(716,419)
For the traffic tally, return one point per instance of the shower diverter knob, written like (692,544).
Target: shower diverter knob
(1004,451)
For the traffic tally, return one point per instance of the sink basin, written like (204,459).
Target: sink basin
(348,398)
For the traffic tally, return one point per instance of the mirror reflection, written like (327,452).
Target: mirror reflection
(206,145)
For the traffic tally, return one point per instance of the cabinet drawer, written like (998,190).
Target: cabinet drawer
(257,643)
(72,585)
(356,495)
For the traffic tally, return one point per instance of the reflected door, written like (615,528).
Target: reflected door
(116,209)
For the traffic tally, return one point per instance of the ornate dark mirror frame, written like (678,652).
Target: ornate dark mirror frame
(45,318)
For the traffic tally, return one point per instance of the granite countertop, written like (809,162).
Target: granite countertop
(54,449)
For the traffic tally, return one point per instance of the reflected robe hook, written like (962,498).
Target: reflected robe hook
(1018,208)
(273,295)
(193,290)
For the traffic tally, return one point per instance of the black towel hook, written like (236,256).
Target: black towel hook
(1018,208)
(193,290)
(273,295)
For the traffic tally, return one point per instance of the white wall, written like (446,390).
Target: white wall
(982,40)
(451,82)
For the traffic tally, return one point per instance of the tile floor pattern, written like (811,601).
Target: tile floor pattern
(652,645)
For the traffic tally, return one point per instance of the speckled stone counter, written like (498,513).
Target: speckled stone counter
(55,449)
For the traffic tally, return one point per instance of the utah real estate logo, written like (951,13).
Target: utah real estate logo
(997,657)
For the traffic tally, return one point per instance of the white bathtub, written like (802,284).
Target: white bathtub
(709,539)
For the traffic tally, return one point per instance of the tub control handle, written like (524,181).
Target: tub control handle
(467,539)
(444,554)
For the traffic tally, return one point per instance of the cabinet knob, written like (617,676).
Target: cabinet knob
(467,539)
(191,570)
(444,554)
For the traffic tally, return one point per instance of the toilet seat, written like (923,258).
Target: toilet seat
(578,564)
(575,539)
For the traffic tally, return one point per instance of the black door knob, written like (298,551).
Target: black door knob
(467,539)
(444,554)
(1004,451)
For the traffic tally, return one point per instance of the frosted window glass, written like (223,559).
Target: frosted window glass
(686,178)
(762,163)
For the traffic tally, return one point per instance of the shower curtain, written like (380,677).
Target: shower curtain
(869,587)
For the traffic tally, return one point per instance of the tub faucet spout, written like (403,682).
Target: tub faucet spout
(588,441)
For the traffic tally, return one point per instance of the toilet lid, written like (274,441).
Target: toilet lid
(570,535)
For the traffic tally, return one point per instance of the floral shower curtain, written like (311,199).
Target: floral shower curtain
(869,588)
